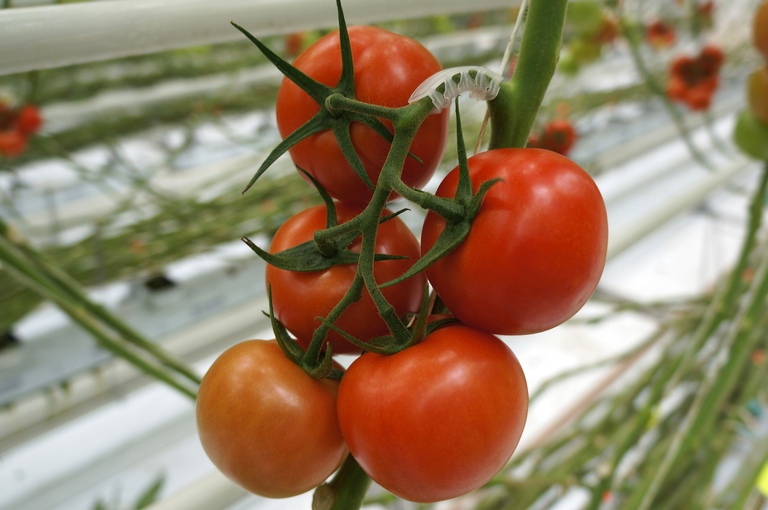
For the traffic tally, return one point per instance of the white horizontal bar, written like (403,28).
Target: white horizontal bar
(211,492)
(59,35)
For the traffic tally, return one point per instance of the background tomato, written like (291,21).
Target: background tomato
(12,143)
(388,68)
(266,424)
(536,249)
(438,419)
(300,297)
(29,120)
(757,94)
(760,29)
(559,136)
(751,135)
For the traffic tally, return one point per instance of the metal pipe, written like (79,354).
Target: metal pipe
(60,35)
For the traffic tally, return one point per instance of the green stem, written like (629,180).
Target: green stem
(634,38)
(336,103)
(40,284)
(72,290)
(350,485)
(515,108)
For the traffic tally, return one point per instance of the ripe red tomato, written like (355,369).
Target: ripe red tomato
(536,249)
(438,419)
(388,68)
(266,424)
(299,297)
(760,29)
(12,143)
(757,94)
(559,136)
(29,120)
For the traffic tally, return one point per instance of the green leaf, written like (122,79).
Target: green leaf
(464,187)
(343,138)
(346,84)
(449,239)
(315,89)
(420,327)
(325,368)
(291,349)
(330,207)
(474,205)
(314,125)
(150,495)
(305,257)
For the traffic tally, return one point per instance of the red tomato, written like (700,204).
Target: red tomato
(294,43)
(757,94)
(438,419)
(660,34)
(266,424)
(676,88)
(559,136)
(699,98)
(760,29)
(29,120)
(300,297)
(536,249)
(12,143)
(388,68)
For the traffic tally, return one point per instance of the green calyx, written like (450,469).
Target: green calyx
(459,212)
(328,117)
(312,365)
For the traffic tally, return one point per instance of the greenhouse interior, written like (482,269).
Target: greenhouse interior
(294,254)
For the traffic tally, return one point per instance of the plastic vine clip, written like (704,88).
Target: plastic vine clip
(481,83)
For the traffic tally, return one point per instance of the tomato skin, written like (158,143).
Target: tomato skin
(388,68)
(536,249)
(12,143)
(300,297)
(438,419)
(760,29)
(29,120)
(757,94)
(266,424)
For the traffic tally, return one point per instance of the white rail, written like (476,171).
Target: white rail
(58,35)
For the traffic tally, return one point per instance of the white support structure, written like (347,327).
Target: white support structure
(60,35)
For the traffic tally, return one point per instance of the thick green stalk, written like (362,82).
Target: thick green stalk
(515,108)
(349,486)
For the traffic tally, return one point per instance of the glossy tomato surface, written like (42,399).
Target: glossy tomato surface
(299,297)
(388,68)
(266,424)
(438,419)
(536,249)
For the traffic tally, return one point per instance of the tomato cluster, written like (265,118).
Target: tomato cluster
(751,132)
(693,80)
(16,126)
(439,414)
(557,135)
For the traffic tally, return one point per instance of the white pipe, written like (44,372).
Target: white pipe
(210,492)
(627,236)
(59,35)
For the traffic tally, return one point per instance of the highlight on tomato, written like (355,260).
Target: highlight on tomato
(388,68)
(299,297)
(536,249)
(437,419)
(266,424)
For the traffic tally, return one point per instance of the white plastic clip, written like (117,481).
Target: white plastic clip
(483,87)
